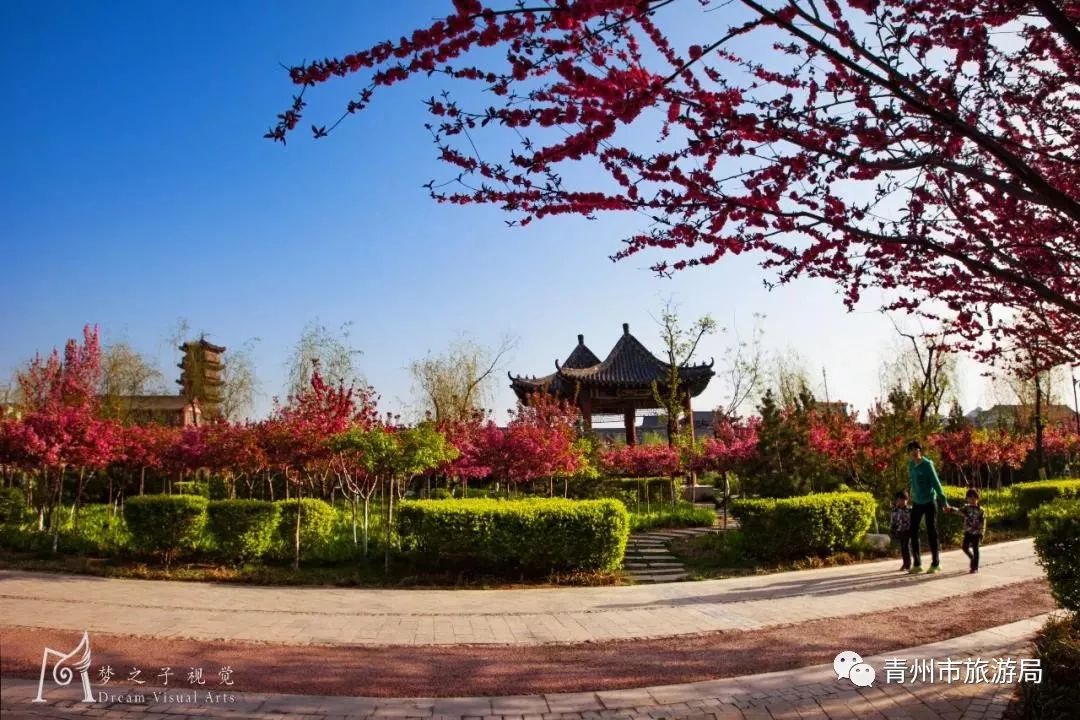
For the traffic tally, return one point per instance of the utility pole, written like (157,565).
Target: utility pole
(825,379)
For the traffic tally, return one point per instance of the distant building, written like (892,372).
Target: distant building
(656,424)
(201,371)
(1001,415)
(199,399)
(169,410)
(838,407)
(10,411)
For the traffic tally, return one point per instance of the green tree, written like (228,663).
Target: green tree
(680,344)
(785,463)
(391,456)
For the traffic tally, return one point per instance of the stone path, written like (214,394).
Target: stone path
(812,692)
(352,616)
(648,559)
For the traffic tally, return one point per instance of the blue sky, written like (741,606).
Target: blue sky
(138,190)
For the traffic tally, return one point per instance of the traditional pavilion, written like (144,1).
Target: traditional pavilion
(620,384)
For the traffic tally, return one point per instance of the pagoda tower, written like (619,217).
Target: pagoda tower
(201,376)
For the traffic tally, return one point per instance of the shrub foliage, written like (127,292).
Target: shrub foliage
(1031,495)
(1056,527)
(165,524)
(317,520)
(242,530)
(1057,646)
(789,528)
(532,536)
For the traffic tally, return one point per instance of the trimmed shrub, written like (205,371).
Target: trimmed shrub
(536,535)
(13,510)
(1056,527)
(317,519)
(815,524)
(1057,647)
(165,524)
(242,529)
(1033,494)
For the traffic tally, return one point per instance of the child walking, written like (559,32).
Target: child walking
(974,527)
(900,527)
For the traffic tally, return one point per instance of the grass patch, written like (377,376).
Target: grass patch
(685,515)
(351,575)
(724,555)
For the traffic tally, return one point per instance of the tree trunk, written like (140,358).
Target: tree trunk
(142,480)
(1040,451)
(367,510)
(55,515)
(389,522)
(78,498)
(352,505)
(296,538)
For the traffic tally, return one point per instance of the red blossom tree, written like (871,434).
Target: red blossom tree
(538,443)
(466,434)
(61,430)
(927,148)
(298,434)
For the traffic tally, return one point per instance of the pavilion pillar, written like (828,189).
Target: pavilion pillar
(586,413)
(630,424)
(692,476)
(689,417)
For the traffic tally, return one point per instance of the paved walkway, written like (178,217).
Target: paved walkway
(648,559)
(812,692)
(352,616)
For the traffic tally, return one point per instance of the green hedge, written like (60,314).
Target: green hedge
(1057,697)
(242,529)
(13,510)
(317,520)
(165,524)
(1056,527)
(1033,494)
(532,536)
(816,524)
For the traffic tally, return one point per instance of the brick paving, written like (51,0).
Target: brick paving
(356,616)
(812,692)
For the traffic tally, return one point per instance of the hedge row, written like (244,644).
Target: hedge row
(530,536)
(819,523)
(239,530)
(1056,527)
(1030,496)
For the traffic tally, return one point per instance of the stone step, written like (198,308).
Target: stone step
(659,578)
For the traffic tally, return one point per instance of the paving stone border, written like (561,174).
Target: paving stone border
(534,616)
(811,692)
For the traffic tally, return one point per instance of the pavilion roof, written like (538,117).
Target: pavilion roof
(628,365)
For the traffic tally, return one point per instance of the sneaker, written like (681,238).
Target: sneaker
(933,569)
(973,570)
(915,570)
(904,568)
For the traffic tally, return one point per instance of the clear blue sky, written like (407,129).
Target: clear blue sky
(137,190)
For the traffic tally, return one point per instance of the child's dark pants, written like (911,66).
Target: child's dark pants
(918,512)
(971,548)
(904,538)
